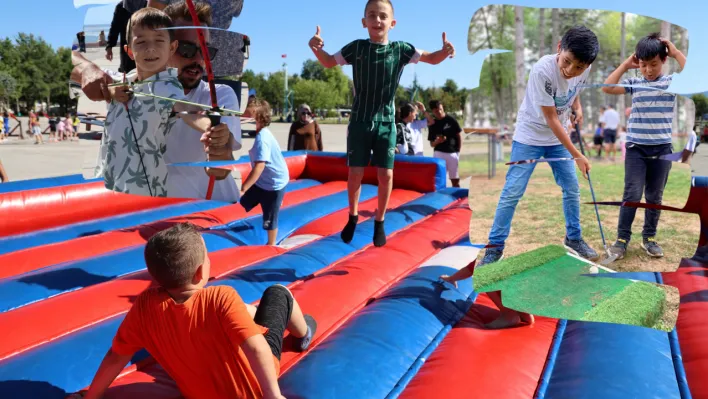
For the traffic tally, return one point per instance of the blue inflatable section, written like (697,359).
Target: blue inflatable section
(587,365)
(37,285)
(88,346)
(385,339)
(34,184)
(252,281)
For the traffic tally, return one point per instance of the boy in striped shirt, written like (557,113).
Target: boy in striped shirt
(649,135)
(377,65)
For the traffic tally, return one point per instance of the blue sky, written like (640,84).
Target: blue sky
(284,27)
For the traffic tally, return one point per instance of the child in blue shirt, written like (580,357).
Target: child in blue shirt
(269,175)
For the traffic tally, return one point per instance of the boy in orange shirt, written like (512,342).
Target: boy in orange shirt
(207,339)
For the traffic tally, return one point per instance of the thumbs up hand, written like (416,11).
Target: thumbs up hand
(447,46)
(316,43)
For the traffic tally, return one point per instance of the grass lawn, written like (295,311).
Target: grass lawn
(539,219)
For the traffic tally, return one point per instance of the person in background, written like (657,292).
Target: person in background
(598,138)
(4,178)
(265,185)
(611,119)
(445,136)
(121,16)
(410,141)
(34,128)
(305,133)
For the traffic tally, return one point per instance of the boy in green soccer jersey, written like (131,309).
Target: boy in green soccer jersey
(377,65)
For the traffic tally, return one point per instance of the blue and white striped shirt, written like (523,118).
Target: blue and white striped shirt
(651,120)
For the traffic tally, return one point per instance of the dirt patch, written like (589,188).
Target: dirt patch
(671,307)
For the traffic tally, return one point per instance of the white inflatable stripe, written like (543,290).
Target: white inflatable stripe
(457,257)
(296,241)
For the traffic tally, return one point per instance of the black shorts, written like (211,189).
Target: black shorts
(597,140)
(270,202)
(274,313)
(610,136)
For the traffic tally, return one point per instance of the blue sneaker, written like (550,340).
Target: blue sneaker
(582,249)
(304,342)
(492,255)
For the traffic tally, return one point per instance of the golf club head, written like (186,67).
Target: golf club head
(610,258)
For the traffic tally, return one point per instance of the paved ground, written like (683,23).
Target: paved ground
(25,160)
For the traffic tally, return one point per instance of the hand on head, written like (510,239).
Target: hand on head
(316,43)
(632,62)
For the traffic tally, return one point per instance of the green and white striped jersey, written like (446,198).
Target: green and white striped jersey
(377,72)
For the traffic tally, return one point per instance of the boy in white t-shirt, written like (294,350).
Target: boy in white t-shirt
(552,94)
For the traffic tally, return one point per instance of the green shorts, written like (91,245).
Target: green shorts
(363,138)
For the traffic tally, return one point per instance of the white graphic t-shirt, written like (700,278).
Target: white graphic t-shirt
(546,87)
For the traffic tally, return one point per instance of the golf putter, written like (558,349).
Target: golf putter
(610,257)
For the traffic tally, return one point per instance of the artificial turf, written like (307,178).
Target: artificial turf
(549,282)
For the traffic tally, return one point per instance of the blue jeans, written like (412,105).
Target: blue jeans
(517,179)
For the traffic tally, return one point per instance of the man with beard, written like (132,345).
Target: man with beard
(183,144)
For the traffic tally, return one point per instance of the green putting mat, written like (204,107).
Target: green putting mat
(549,282)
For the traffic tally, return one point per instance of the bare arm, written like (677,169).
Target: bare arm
(3,174)
(94,82)
(316,45)
(253,176)
(447,50)
(260,358)
(675,53)
(554,123)
(109,369)
(614,78)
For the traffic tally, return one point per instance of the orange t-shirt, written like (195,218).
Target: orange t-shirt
(196,342)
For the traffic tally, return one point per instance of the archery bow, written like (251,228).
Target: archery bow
(214,118)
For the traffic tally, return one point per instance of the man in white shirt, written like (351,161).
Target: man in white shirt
(183,142)
(611,119)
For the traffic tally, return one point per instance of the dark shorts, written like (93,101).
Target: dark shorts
(363,138)
(610,136)
(597,140)
(274,311)
(269,201)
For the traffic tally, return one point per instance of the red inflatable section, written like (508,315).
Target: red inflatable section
(114,296)
(34,210)
(490,359)
(30,259)
(691,279)
(358,273)
(419,177)
(40,209)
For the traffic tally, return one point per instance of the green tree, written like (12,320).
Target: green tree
(313,70)
(316,93)
(8,86)
(701,102)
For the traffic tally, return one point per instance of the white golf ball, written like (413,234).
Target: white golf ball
(594,269)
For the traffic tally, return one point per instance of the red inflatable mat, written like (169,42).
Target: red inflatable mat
(115,296)
(473,362)
(31,210)
(347,285)
(691,279)
(30,259)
